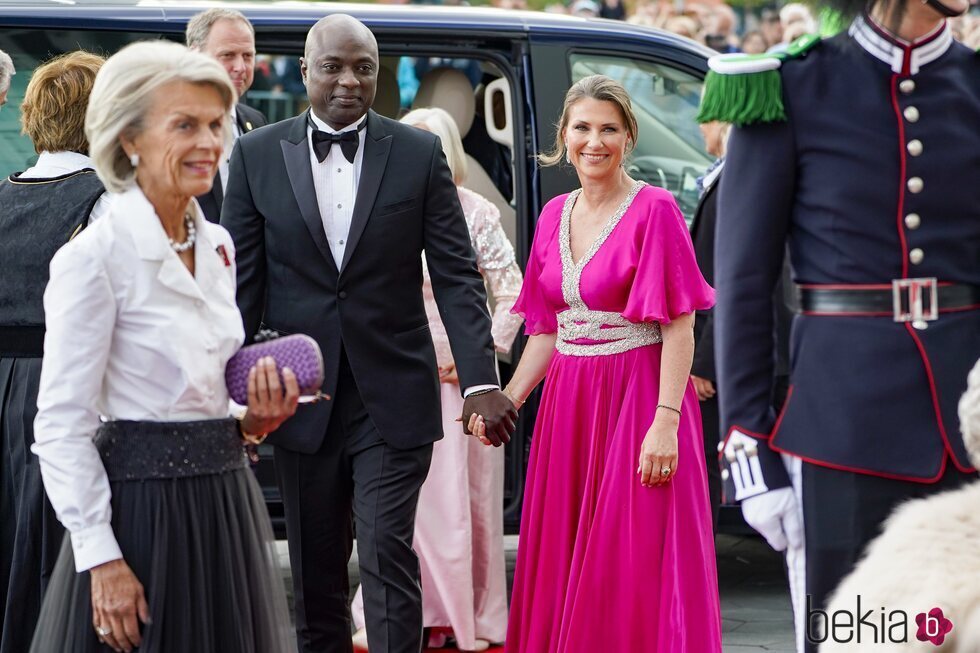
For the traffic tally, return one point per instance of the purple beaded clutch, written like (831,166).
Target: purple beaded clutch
(298,352)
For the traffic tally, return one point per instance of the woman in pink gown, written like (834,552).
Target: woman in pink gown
(459,526)
(616,550)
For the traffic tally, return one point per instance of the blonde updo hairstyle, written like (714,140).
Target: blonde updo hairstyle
(439,122)
(123,93)
(597,87)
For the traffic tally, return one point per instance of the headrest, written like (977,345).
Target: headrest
(448,89)
(387,100)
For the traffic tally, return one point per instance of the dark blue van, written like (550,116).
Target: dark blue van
(519,65)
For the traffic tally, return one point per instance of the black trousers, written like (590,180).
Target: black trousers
(843,512)
(355,478)
(710,429)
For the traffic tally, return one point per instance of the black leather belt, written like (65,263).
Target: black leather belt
(905,300)
(21,341)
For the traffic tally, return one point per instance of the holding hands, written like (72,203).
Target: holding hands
(658,453)
(490,416)
(270,403)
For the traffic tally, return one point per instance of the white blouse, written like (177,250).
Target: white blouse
(131,335)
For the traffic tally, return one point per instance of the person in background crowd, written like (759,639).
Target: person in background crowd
(703,365)
(796,20)
(228,37)
(43,207)
(683,26)
(877,202)
(719,29)
(613,9)
(7,71)
(770,26)
(170,545)
(331,212)
(616,482)
(753,43)
(459,526)
(585,8)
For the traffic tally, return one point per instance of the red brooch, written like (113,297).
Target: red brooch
(223,253)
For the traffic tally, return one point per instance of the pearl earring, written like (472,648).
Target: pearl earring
(134,159)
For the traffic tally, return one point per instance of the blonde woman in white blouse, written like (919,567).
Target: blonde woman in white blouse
(170,544)
(459,527)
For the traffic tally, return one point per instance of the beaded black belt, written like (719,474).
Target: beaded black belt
(135,451)
(21,341)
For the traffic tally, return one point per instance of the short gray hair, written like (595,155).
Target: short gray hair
(199,26)
(6,71)
(123,92)
(439,122)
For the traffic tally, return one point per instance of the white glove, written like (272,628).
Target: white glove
(776,516)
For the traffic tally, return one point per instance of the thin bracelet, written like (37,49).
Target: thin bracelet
(669,408)
(514,400)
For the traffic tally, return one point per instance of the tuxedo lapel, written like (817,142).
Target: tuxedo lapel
(296,154)
(377,145)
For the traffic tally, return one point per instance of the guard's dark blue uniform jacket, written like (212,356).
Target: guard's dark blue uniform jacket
(873,177)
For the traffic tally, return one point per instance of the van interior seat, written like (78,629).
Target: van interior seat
(387,101)
(450,90)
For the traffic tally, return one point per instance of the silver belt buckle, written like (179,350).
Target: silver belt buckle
(908,304)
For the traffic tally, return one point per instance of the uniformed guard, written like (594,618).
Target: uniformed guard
(862,153)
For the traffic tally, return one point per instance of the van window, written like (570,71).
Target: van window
(670,150)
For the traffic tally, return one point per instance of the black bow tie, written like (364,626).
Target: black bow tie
(349,140)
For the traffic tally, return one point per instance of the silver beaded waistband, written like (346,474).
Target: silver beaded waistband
(614,333)
(136,451)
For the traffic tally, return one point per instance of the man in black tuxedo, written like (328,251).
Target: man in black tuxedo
(331,212)
(227,36)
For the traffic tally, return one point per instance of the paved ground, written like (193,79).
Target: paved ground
(756,613)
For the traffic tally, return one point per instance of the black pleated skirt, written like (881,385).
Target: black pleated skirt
(192,525)
(30,534)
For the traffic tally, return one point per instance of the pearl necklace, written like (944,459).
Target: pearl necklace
(191,236)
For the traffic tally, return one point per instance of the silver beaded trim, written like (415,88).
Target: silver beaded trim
(615,333)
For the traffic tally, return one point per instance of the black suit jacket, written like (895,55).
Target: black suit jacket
(372,306)
(703,236)
(248,119)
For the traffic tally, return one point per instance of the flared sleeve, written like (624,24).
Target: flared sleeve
(668,282)
(539,315)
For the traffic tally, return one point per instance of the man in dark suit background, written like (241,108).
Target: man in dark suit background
(330,213)
(227,36)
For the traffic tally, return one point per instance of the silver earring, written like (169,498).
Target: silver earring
(134,159)
(568,157)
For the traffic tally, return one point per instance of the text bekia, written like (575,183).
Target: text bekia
(876,625)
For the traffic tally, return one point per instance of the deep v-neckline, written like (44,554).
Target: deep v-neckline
(571,272)
(607,228)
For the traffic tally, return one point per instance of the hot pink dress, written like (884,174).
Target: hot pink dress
(605,564)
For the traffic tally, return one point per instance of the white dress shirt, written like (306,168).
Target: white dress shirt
(335,181)
(226,155)
(131,335)
(56,164)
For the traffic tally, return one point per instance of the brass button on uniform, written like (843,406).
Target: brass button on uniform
(906,86)
(916,185)
(916,256)
(914,147)
(912,221)
(911,114)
